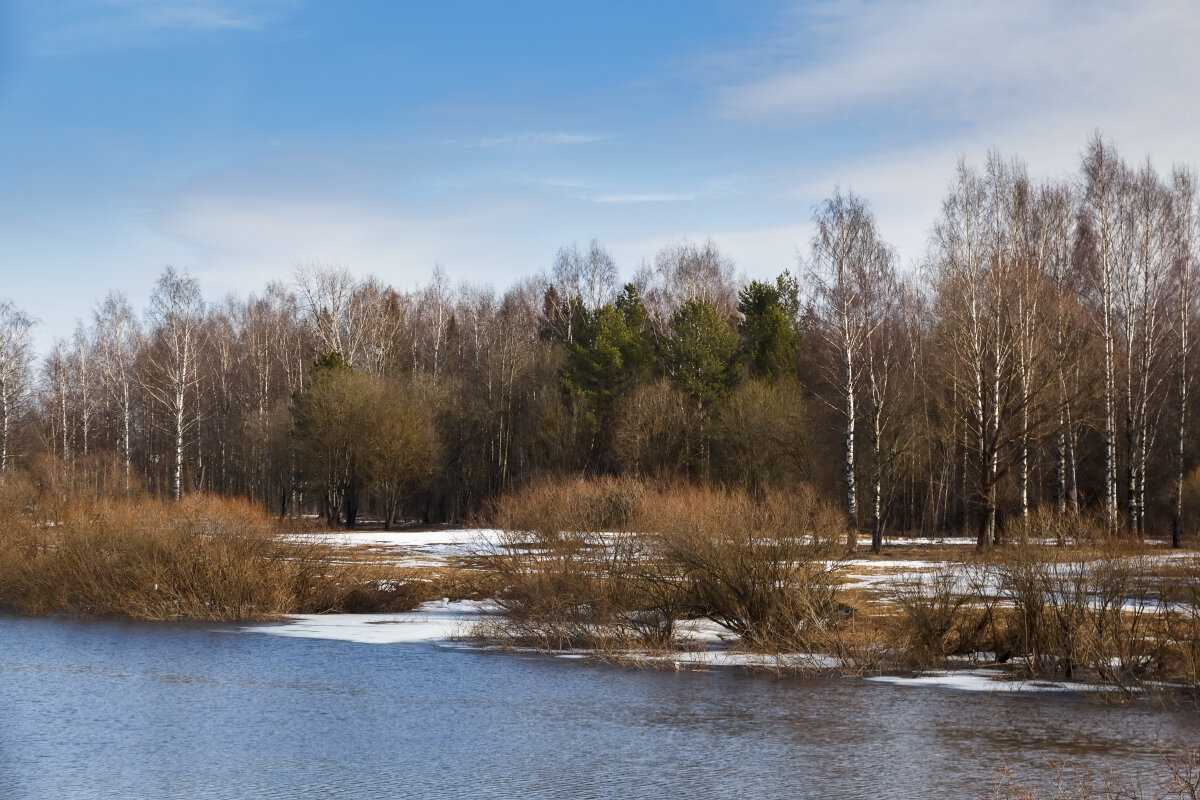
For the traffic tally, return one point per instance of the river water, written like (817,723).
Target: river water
(109,709)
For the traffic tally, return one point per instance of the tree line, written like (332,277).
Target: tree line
(1039,357)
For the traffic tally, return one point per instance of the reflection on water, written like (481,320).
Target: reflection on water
(125,710)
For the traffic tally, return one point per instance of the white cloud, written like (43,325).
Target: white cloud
(202,14)
(86,26)
(1032,79)
(238,241)
(976,62)
(535,139)
(643,198)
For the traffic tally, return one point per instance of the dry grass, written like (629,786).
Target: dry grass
(614,565)
(611,563)
(85,551)
(1179,779)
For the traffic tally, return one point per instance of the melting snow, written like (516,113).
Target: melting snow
(437,621)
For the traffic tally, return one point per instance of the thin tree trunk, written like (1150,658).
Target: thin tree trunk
(851,493)
(176,491)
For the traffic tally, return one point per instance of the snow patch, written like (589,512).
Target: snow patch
(436,621)
(982,680)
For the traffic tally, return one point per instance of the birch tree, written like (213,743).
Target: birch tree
(118,340)
(1104,175)
(56,377)
(849,260)
(1056,240)
(327,295)
(590,275)
(436,308)
(974,278)
(884,362)
(1184,243)
(15,359)
(176,312)
(83,366)
(1143,289)
(1040,229)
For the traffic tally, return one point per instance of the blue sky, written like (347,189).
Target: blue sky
(237,138)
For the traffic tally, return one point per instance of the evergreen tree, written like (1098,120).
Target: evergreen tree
(701,352)
(767,327)
(612,352)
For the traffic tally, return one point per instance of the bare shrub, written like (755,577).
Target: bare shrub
(765,569)
(1179,779)
(1044,525)
(1081,612)
(614,562)
(572,574)
(1178,629)
(940,615)
(204,557)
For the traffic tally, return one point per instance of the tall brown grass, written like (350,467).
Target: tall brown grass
(86,551)
(610,562)
(616,563)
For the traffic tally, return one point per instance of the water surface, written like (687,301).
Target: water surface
(107,709)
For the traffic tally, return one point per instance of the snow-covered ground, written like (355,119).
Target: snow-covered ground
(409,548)
(445,622)
(983,680)
(437,621)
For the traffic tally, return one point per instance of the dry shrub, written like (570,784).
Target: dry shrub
(572,505)
(1178,628)
(1179,779)
(1093,612)
(766,569)
(1044,525)
(204,557)
(568,565)
(940,616)
(613,562)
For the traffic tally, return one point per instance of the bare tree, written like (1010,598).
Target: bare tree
(118,340)
(382,315)
(1186,220)
(683,272)
(1143,287)
(1105,175)
(82,358)
(974,280)
(1040,228)
(57,379)
(590,275)
(176,311)
(435,308)
(15,356)
(850,264)
(1056,239)
(885,360)
(328,297)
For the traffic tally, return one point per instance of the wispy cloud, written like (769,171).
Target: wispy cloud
(530,140)
(1031,78)
(202,14)
(973,61)
(643,198)
(92,25)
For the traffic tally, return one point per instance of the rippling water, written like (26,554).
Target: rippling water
(125,710)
